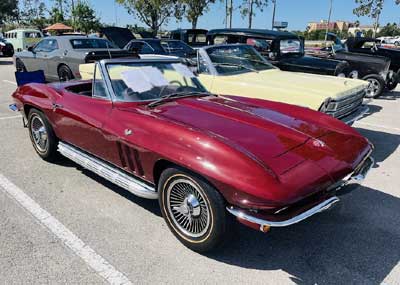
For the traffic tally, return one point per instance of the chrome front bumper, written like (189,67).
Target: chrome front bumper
(325,205)
(356,177)
(350,119)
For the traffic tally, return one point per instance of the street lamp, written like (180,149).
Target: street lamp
(273,14)
(329,20)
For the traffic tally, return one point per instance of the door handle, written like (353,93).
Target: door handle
(57,106)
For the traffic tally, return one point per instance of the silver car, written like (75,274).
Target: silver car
(60,56)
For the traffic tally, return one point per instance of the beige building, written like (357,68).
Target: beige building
(323,25)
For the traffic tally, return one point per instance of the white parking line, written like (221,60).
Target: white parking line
(378,126)
(94,260)
(10,82)
(10,117)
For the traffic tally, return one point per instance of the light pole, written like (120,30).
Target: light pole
(329,20)
(273,14)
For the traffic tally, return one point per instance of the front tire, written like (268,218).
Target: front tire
(42,135)
(376,85)
(193,209)
(392,83)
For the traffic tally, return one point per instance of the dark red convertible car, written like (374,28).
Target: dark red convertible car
(150,127)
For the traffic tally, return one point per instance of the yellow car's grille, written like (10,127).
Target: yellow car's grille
(345,106)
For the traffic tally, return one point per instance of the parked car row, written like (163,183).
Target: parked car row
(226,130)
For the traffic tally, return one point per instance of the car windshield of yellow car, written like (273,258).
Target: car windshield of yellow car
(234,59)
(132,82)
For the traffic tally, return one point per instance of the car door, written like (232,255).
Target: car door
(38,61)
(79,118)
(51,58)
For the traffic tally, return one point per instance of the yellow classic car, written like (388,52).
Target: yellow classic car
(240,70)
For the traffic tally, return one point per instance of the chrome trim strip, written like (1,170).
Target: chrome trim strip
(325,205)
(108,172)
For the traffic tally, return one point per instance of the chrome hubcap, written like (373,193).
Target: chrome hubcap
(39,134)
(188,208)
(373,87)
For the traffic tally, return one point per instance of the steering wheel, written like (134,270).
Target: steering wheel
(177,82)
(129,93)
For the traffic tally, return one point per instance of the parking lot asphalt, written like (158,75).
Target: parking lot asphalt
(357,242)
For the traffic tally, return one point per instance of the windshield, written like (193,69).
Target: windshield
(133,82)
(232,59)
(289,46)
(89,43)
(197,38)
(336,47)
(174,46)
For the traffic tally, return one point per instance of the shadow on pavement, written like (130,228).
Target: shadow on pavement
(372,110)
(392,95)
(385,143)
(6,62)
(355,243)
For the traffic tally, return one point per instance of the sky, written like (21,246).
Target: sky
(297,12)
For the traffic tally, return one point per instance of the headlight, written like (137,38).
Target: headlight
(341,75)
(328,106)
(354,74)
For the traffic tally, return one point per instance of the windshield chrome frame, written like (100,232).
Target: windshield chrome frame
(213,71)
(103,65)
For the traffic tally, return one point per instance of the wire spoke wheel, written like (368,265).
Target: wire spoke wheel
(188,207)
(39,134)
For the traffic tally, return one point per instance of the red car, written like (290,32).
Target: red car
(150,127)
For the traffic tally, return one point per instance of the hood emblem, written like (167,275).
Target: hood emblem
(318,143)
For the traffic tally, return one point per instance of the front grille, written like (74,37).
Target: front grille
(345,106)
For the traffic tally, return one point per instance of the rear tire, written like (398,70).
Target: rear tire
(65,73)
(376,86)
(42,136)
(193,209)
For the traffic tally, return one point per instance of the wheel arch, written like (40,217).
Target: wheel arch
(66,65)
(163,164)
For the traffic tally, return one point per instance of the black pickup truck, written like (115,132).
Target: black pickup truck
(373,47)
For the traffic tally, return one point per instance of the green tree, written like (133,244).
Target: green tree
(33,13)
(194,9)
(85,19)
(8,10)
(372,9)
(55,16)
(153,13)
(248,7)
(389,30)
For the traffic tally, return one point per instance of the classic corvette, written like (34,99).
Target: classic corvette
(150,127)
(240,70)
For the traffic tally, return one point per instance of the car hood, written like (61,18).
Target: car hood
(303,89)
(262,132)
(311,62)
(117,35)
